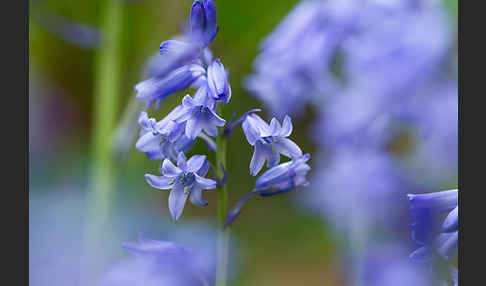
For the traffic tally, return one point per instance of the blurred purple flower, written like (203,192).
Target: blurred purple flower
(187,179)
(427,230)
(156,90)
(364,185)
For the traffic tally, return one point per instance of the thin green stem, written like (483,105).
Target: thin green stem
(107,90)
(223,234)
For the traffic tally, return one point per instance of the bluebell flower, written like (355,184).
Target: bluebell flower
(281,179)
(156,90)
(158,263)
(285,176)
(269,140)
(187,179)
(204,22)
(218,81)
(428,231)
(163,139)
(174,54)
(198,114)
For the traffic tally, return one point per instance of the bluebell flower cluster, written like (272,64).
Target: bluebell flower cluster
(184,62)
(380,77)
(270,141)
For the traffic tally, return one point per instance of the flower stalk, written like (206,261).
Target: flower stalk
(223,233)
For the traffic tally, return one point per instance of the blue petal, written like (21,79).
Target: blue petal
(148,142)
(177,200)
(211,130)
(211,21)
(204,183)
(275,127)
(286,127)
(159,182)
(252,135)
(204,169)
(198,20)
(218,82)
(287,148)
(451,221)
(273,157)
(196,197)
(169,169)
(257,160)
(195,163)
(182,161)
(193,128)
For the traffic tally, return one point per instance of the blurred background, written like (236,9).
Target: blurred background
(282,240)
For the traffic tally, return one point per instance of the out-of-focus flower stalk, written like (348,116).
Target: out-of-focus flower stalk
(107,89)
(223,233)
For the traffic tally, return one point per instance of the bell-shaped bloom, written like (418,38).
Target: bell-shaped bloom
(204,22)
(198,114)
(184,180)
(218,82)
(174,54)
(282,178)
(155,89)
(269,140)
(428,230)
(163,139)
(285,176)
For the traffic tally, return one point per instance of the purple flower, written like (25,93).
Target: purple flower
(204,22)
(282,178)
(163,139)
(218,82)
(427,230)
(269,140)
(155,89)
(198,114)
(362,185)
(285,176)
(158,262)
(184,180)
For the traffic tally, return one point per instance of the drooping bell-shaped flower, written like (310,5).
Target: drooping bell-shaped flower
(218,82)
(198,114)
(163,139)
(184,180)
(285,176)
(155,89)
(269,140)
(204,22)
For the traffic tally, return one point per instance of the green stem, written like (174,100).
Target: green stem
(223,234)
(107,90)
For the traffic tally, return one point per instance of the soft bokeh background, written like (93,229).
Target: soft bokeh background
(277,242)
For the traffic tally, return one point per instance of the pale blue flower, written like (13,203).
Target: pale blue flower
(277,180)
(269,140)
(218,81)
(198,114)
(184,180)
(156,90)
(285,176)
(163,139)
